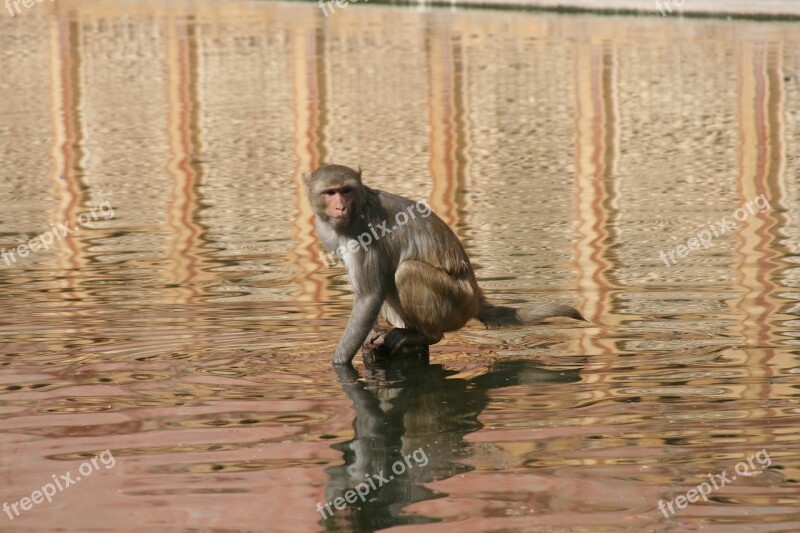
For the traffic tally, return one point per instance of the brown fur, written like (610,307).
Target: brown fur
(417,275)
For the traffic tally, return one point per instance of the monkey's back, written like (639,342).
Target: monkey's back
(423,237)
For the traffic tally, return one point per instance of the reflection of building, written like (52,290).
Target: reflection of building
(518,148)
(597,183)
(491,140)
(761,170)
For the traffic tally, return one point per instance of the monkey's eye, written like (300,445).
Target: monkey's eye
(347,190)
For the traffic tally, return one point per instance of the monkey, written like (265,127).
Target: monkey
(415,274)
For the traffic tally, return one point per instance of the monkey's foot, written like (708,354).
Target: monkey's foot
(398,339)
(374,339)
(381,365)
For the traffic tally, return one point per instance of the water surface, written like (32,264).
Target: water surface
(189,333)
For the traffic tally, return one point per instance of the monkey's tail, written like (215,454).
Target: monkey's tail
(494,316)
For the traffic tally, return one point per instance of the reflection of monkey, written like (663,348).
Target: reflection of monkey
(402,405)
(416,273)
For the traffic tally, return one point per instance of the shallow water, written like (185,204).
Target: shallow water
(187,326)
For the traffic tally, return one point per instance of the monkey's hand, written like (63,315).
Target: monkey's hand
(363,317)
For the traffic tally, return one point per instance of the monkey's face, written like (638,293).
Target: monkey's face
(336,193)
(339,203)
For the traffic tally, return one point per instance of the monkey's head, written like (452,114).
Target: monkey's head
(336,194)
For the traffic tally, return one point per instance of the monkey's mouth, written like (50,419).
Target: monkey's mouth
(340,217)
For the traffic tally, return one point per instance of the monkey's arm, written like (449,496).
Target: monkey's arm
(365,313)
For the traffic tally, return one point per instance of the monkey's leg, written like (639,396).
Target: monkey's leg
(430,302)
(400,338)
